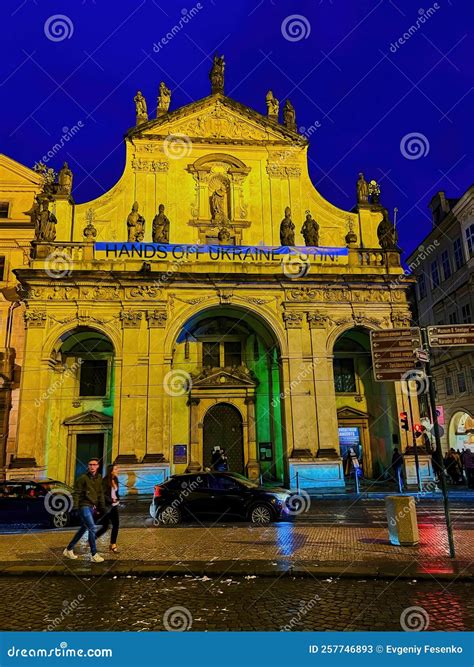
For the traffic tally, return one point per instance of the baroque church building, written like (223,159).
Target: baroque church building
(211,298)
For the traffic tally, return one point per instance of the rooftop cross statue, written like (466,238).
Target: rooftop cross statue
(216,75)
(164,99)
(140,107)
(273,105)
(289,116)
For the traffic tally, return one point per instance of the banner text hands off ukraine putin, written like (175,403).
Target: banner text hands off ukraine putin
(163,252)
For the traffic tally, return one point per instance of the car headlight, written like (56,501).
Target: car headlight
(282,497)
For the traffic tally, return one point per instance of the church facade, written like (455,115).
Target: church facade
(211,298)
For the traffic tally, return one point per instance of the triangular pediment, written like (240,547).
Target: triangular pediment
(351,413)
(92,417)
(221,377)
(12,171)
(217,117)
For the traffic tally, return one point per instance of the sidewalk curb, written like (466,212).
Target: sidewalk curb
(457,570)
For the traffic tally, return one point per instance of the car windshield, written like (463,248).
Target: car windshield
(244,481)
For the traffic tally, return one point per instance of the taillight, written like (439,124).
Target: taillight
(157,493)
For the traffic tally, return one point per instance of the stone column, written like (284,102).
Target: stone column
(194,465)
(253,467)
(300,387)
(324,390)
(157,446)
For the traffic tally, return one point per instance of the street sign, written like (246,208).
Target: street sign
(422,355)
(456,335)
(440,414)
(394,352)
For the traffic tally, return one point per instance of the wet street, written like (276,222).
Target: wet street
(225,603)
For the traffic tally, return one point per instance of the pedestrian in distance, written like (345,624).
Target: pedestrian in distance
(112,503)
(88,494)
(397,466)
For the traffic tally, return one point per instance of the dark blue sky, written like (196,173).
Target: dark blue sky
(338,68)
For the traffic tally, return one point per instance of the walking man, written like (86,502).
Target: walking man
(88,493)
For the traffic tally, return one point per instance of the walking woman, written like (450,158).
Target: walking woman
(112,501)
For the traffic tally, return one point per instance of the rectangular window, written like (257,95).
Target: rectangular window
(470,239)
(448,381)
(4,209)
(232,353)
(453,318)
(422,285)
(93,380)
(446,264)
(434,274)
(344,376)
(210,355)
(461,383)
(458,253)
(466,314)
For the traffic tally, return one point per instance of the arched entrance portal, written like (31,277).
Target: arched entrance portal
(231,360)
(461,431)
(222,427)
(366,410)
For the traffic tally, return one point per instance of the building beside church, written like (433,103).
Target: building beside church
(444,271)
(211,297)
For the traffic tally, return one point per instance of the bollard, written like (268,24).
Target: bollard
(402,521)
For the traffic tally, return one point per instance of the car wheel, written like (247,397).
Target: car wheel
(60,520)
(168,516)
(261,515)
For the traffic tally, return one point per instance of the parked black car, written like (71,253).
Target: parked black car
(45,502)
(219,495)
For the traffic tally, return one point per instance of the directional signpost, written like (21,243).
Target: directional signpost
(394,352)
(457,335)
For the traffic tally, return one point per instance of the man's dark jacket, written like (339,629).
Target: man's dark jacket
(89,491)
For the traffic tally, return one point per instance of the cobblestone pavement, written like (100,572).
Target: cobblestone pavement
(246,542)
(60,603)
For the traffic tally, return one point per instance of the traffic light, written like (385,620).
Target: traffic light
(417,430)
(404,421)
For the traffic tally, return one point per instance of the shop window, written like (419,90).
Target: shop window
(344,376)
(93,377)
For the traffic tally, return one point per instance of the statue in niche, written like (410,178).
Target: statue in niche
(386,233)
(46,224)
(135,225)
(65,180)
(218,204)
(164,99)
(140,107)
(161,226)
(287,229)
(310,231)
(216,75)
(273,105)
(362,190)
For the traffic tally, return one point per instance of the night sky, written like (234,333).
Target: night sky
(335,59)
